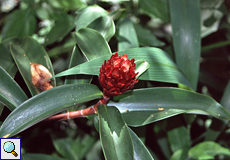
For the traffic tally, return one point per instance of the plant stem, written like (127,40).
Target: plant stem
(80,113)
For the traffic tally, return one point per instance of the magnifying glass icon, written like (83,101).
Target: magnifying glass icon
(9,147)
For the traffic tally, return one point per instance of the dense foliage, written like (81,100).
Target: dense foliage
(179,109)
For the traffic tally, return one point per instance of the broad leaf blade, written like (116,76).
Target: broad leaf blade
(114,134)
(146,38)
(28,50)
(162,68)
(6,60)
(207,150)
(46,104)
(91,43)
(185,19)
(10,92)
(19,23)
(140,151)
(86,15)
(127,35)
(174,134)
(155,104)
(105,26)
(63,25)
(77,58)
(155,9)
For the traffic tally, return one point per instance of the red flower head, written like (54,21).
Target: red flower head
(117,75)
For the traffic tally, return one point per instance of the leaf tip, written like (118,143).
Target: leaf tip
(6,136)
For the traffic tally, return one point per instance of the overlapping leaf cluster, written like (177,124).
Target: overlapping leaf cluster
(80,35)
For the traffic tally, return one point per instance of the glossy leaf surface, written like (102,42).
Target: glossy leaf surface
(25,51)
(10,92)
(91,43)
(162,68)
(185,19)
(86,15)
(140,151)
(127,35)
(77,58)
(144,106)
(105,26)
(114,134)
(46,104)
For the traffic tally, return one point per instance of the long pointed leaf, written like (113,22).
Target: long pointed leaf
(6,60)
(185,19)
(87,15)
(91,43)
(162,68)
(10,92)
(114,134)
(127,35)
(140,151)
(77,58)
(105,26)
(46,104)
(144,106)
(28,50)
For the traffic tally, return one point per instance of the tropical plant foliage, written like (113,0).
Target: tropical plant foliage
(179,109)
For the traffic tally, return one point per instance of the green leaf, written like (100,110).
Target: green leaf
(140,151)
(86,15)
(141,67)
(91,43)
(20,23)
(86,39)
(67,4)
(105,26)
(10,92)
(64,146)
(64,48)
(1,108)
(155,9)
(63,25)
(77,58)
(146,38)
(162,68)
(207,150)
(28,50)
(127,35)
(36,156)
(185,19)
(46,104)
(177,155)
(83,145)
(144,106)
(114,134)
(6,60)
(225,100)
(174,134)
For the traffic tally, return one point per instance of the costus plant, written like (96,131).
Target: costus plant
(86,80)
